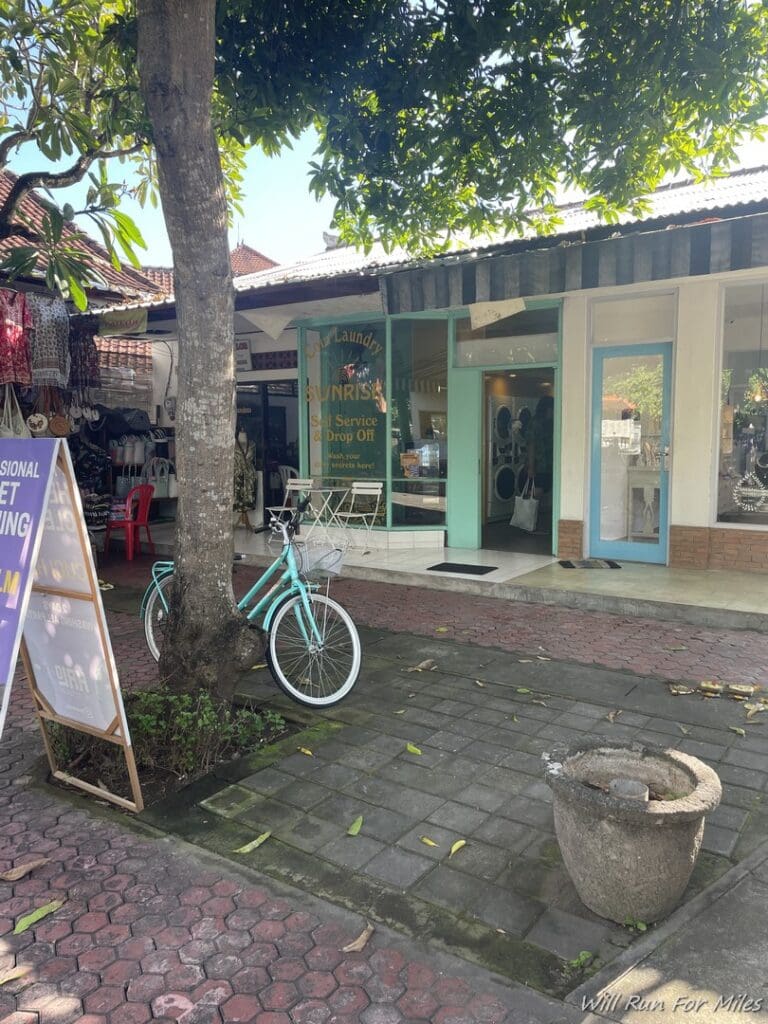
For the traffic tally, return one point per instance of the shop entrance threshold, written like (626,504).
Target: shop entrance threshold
(705,597)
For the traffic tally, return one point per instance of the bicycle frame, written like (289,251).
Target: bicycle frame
(288,585)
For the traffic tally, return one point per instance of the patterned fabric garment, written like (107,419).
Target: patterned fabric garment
(84,356)
(49,340)
(15,322)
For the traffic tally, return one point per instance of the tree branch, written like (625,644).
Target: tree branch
(11,141)
(12,229)
(25,183)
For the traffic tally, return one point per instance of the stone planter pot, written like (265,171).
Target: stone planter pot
(629,859)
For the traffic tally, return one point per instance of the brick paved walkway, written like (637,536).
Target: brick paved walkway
(149,931)
(668,650)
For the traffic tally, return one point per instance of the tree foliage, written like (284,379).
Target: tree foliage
(67,92)
(454,116)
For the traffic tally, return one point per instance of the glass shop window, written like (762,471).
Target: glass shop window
(743,458)
(419,442)
(347,405)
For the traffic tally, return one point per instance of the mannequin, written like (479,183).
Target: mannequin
(245,478)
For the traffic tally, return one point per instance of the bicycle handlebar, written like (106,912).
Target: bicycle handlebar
(292,524)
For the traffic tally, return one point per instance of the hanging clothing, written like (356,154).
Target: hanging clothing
(15,324)
(83,354)
(245,477)
(49,340)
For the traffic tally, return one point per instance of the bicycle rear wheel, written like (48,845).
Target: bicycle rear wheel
(320,673)
(156,616)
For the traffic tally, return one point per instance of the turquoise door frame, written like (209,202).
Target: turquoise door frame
(627,550)
(464,490)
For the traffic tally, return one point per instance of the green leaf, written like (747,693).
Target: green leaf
(458,845)
(254,844)
(37,915)
(523,689)
(738,730)
(355,827)
(412,748)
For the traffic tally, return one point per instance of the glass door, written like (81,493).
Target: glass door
(630,452)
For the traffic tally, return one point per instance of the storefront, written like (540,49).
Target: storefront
(442,412)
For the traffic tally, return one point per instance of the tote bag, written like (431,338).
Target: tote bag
(526,509)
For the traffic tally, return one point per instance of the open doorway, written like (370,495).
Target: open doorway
(518,456)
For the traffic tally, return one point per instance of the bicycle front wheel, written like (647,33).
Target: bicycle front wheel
(318,668)
(156,616)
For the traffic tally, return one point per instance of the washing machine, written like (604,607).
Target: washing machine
(500,469)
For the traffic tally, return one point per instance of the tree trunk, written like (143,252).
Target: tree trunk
(208,641)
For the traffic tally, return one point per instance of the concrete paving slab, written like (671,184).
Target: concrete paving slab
(710,973)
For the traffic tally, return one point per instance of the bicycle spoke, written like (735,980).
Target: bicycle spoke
(316,662)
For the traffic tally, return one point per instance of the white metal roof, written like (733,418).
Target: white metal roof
(684,198)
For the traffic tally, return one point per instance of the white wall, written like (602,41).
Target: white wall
(575,373)
(696,404)
(165,359)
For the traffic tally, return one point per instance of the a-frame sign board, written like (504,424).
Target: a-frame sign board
(51,608)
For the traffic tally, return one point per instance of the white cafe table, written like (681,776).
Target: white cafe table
(322,510)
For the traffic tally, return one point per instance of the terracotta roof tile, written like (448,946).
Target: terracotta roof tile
(162,277)
(127,282)
(246,260)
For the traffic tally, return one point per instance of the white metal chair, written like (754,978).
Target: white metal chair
(364,502)
(294,491)
(287,473)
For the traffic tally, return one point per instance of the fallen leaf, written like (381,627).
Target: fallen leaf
(676,647)
(441,629)
(13,974)
(424,666)
(523,689)
(542,702)
(254,844)
(359,944)
(255,668)
(752,710)
(14,874)
(613,715)
(710,688)
(36,915)
(101,786)
(305,750)
(683,729)
(513,718)
(356,825)
(679,691)
(540,657)
(525,661)
(411,695)
(738,730)
(400,712)
(412,748)
(501,931)
(478,683)
(456,847)
(427,841)
(740,690)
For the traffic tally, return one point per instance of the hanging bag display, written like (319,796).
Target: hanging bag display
(12,421)
(156,472)
(173,483)
(37,422)
(128,479)
(526,509)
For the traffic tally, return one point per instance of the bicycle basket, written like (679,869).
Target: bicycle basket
(319,560)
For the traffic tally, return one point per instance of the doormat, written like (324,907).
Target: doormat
(591,563)
(463,567)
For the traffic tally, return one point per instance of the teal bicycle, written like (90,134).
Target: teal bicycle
(313,647)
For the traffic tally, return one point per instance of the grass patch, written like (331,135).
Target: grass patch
(176,739)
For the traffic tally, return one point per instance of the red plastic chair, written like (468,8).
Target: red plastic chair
(136,515)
